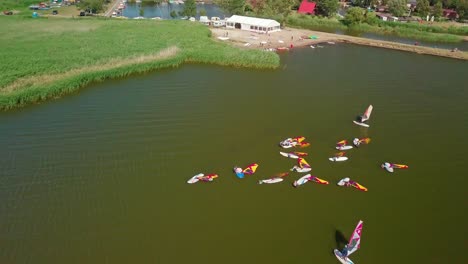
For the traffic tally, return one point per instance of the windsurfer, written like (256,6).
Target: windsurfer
(344,253)
(356,142)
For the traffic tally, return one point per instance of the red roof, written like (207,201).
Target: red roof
(307,7)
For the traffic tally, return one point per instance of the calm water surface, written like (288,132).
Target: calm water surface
(164,10)
(100,176)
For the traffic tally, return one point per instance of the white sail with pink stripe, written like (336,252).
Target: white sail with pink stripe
(355,240)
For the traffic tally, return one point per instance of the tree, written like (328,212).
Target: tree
(234,7)
(422,6)
(438,11)
(142,12)
(371,18)
(94,6)
(354,15)
(202,12)
(279,8)
(397,7)
(173,14)
(327,7)
(190,8)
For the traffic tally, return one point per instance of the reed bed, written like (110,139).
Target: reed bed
(47,58)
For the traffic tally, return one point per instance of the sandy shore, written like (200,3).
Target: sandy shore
(296,37)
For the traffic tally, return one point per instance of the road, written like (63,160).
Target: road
(112,7)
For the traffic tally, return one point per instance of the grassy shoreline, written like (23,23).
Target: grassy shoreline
(405,30)
(48,58)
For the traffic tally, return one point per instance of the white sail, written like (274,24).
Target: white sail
(355,240)
(367,113)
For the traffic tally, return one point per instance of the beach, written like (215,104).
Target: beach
(302,37)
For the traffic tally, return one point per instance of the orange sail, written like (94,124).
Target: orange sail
(342,143)
(208,177)
(318,180)
(301,154)
(358,186)
(299,139)
(365,140)
(400,166)
(340,154)
(282,174)
(251,168)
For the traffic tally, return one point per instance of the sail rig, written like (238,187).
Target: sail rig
(355,240)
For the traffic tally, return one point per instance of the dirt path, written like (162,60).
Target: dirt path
(299,37)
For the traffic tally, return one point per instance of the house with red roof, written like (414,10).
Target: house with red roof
(307,8)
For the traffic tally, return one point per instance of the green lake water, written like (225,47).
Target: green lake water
(100,176)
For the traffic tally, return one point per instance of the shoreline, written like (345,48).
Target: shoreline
(288,36)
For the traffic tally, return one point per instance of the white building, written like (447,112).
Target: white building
(260,25)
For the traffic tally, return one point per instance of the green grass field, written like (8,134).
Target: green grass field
(46,58)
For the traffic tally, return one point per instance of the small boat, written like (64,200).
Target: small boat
(353,245)
(249,170)
(294,142)
(347,182)
(331,42)
(282,49)
(304,179)
(302,166)
(293,155)
(390,166)
(362,119)
(312,46)
(339,157)
(358,141)
(271,180)
(341,145)
(202,177)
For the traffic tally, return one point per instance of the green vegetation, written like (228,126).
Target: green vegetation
(17,5)
(46,58)
(387,29)
(93,6)
(398,7)
(327,7)
(315,23)
(190,8)
(423,8)
(234,7)
(438,10)
(366,22)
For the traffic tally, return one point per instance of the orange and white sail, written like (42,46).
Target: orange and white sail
(341,143)
(367,113)
(340,154)
(364,140)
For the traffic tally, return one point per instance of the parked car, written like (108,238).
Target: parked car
(55,12)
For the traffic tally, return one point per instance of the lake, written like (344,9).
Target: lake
(164,10)
(100,176)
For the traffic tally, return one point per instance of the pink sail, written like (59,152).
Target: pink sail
(355,240)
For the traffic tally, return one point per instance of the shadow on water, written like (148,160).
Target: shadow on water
(340,239)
